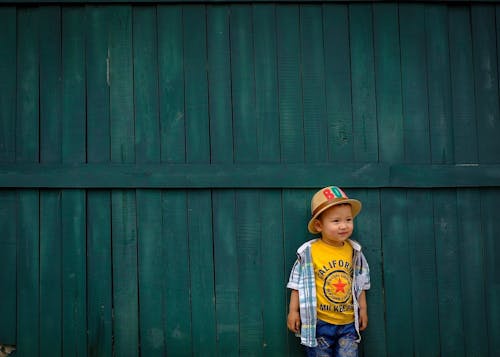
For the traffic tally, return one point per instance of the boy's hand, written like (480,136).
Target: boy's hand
(363,319)
(293,321)
(363,311)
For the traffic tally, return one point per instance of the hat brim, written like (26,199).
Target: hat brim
(355,207)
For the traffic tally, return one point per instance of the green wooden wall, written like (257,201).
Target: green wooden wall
(157,162)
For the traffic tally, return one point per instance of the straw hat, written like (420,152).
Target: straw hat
(326,198)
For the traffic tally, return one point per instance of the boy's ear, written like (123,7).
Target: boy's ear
(318,225)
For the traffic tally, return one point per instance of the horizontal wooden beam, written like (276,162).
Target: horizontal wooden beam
(17,175)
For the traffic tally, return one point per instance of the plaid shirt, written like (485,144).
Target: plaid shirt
(302,279)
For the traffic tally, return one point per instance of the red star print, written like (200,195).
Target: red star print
(339,286)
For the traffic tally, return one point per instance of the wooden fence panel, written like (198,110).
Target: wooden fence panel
(157,163)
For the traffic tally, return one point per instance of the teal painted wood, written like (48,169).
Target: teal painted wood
(28,276)
(438,75)
(296,213)
(51,85)
(145,59)
(124,209)
(414,83)
(177,302)
(8,246)
(7,154)
(266,83)
(219,79)
(471,246)
(367,233)
(485,74)
(51,284)
(313,84)
(199,202)
(338,83)
(195,76)
(120,83)
(289,84)
(243,84)
(223,201)
(151,247)
(264,175)
(274,273)
(387,52)
(363,83)
(397,269)
(226,272)
(250,272)
(201,268)
(8,72)
(462,77)
(99,274)
(27,144)
(99,268)
(451,323)
(490,230)
(423,281)
(171,83)
(74,294)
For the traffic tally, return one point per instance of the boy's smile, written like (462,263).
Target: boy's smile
(335,224)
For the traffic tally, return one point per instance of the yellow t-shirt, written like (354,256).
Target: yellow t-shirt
(333,273)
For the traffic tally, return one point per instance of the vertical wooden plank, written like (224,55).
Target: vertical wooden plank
(8,84)
(471,248)
(439,88)
(397,268)
(485,58)
(123,202)
(171,83)
(8,273)
(247,201)
(99,273)
(296,213)
(7,154)
(414,83)
(249,272)
(462,82)
(151,249)
(50,201)
(199,201)
(367,233)
(266,82)
(196,86)
(73,204)
(313,83)
(363,83)
(490,231)
(289,83)
(271,231)
(388,85)
(223,201)
(338,82)
(243,84)
(226,272)
(219,83)
(423,264)
(177,324)
(27,143)
(274,271)
(451,331)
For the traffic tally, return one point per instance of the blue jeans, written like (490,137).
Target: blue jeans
(334,340)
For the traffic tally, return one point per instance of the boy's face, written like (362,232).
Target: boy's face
(335,224)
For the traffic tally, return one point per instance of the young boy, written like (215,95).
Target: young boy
(329,279)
